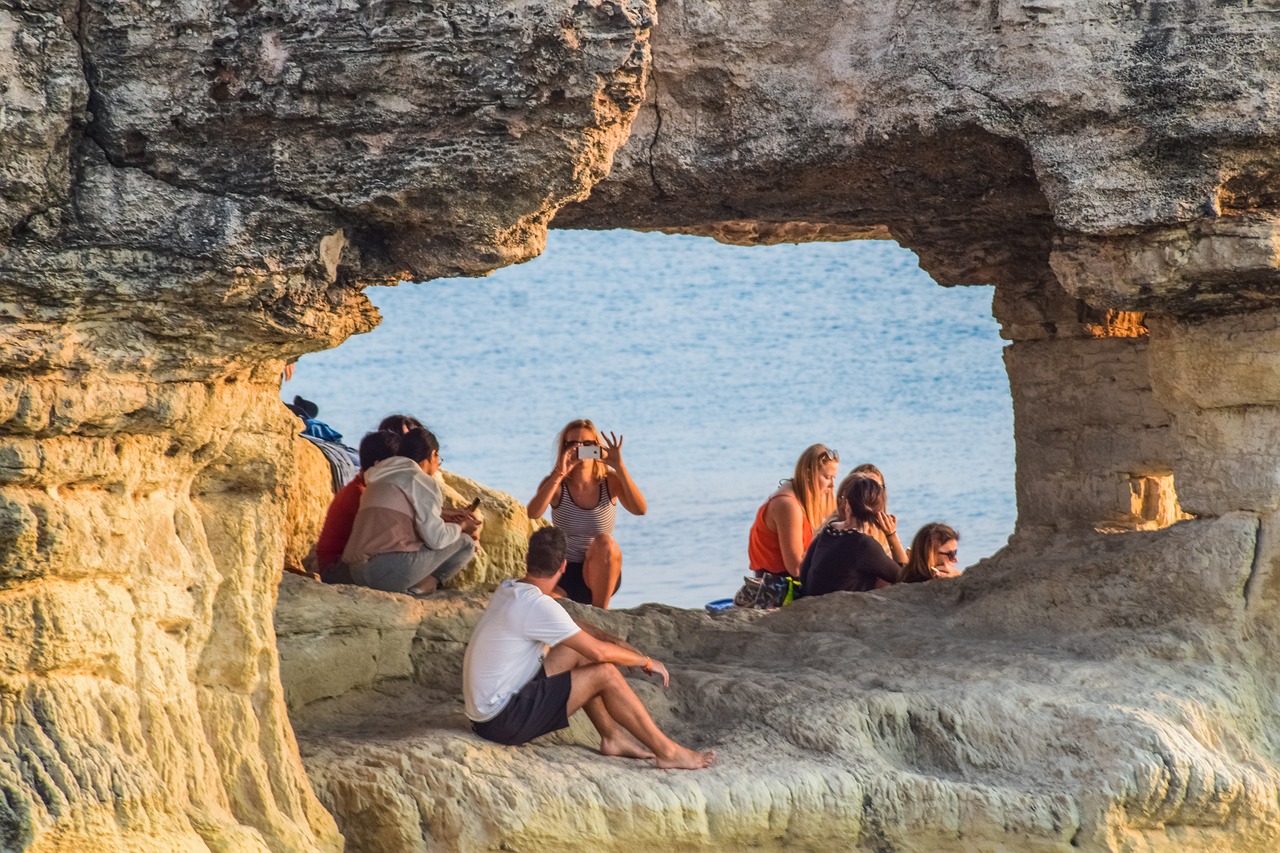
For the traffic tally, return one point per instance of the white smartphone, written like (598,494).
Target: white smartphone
(589,451)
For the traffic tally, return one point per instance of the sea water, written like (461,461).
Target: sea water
(718,365)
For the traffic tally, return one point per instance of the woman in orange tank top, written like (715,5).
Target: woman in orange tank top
(785,523)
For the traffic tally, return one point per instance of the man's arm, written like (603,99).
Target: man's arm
(604,636)
(603,651)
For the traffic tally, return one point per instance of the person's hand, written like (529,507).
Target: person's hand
(567,460)
(944,572)
(888,523)
(656,668)
(454,515)
(613,451)
(470,525)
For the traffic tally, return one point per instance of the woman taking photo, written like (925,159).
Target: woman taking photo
(845,556)
(588,478)
(785,522)
(934,554)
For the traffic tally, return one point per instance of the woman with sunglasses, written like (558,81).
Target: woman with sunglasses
(588,478)
(786,521)
(934,554)
(844,556)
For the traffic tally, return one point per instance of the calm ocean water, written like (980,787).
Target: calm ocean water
(718,364)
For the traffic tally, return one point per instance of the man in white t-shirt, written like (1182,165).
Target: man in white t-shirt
(529,666)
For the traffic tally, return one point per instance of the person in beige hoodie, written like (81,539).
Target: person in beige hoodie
(399,542)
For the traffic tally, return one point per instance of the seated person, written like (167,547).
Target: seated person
(582,491)
(843,555)
(891,543)
(399,542)
(529,666)
(374,447)
(934,554)
(786,521)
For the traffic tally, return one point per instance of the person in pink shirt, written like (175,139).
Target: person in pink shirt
(374,447)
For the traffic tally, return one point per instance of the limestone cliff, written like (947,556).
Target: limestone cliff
(194,192)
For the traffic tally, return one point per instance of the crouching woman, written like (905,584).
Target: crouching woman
(399,542)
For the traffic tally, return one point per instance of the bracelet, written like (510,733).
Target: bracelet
(648,664)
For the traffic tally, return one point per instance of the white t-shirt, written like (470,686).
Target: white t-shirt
(508,645)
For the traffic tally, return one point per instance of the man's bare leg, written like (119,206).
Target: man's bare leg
(603,681)
(601,568)
(614,739)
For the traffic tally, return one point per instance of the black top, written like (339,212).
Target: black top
(839,560)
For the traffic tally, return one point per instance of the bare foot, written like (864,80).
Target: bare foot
(686,759)
(624,746)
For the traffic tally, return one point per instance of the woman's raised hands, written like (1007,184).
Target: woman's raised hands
(613,451)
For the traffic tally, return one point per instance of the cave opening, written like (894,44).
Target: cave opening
(718,364)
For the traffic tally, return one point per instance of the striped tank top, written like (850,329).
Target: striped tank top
(580,525)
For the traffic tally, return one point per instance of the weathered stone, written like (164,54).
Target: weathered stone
(193,194)
(196,192)
(994,712)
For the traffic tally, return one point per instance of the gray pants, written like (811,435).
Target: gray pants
(399,570)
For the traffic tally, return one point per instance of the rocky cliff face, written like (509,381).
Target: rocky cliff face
(195,192)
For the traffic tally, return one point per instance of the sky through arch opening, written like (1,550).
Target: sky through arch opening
(719,364)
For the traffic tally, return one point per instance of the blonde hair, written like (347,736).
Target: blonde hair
(816,502)
(599,470)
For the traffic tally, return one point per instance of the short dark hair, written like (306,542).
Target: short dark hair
(546,552)
(418,444)
(376,446)
(865,499)
(400,423)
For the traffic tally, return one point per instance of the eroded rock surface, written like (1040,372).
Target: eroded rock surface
(1046,701)
(195,192)
(190,195)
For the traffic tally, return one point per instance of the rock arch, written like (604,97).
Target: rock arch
(194,194)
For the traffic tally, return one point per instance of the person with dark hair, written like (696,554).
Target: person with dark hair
(934,554)
(843,555)
(891,543)
(341,515)
(529,666)
(399,542)
(400,423)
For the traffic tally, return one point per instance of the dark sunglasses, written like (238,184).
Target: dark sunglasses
(829,455)
(588,443)
(950,555)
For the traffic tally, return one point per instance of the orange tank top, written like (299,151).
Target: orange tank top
(763,549)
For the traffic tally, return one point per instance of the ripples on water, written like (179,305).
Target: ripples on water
(719,364)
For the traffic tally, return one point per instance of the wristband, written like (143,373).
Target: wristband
(648,664)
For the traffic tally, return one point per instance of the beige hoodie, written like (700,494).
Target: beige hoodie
(399,511)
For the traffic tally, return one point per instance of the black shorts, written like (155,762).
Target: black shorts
(541,706)
(575,586)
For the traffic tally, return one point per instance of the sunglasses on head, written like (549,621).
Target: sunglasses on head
(829,455)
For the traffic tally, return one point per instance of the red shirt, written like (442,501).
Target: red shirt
(763,549)
(338,522)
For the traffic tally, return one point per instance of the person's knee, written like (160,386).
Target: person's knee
(605,546)
(602,677)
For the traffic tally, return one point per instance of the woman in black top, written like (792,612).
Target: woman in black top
(844,556)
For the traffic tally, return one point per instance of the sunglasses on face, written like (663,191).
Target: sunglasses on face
(950,556)
(588,443)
